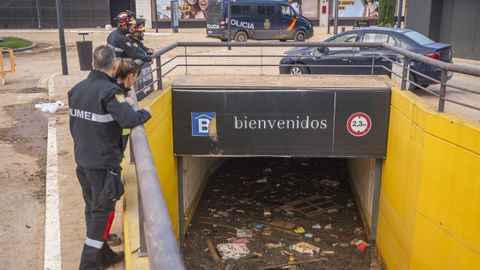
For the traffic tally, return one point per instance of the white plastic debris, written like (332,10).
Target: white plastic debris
(329,183)
(317,226)
(328,227)
(274,245)
(233,250)
(50,107)
(305,248)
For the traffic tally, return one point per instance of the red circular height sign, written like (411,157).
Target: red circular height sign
(359,124)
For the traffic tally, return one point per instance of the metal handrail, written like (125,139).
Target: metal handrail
(163,252)
(160,240)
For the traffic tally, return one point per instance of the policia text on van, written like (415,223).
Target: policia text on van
(264,19)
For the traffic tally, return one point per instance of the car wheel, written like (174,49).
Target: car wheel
(241,37)
(224,40)
(283,40)
(300,36)
(413,78)
(298,69)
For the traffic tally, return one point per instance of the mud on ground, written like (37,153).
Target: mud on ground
(240,192)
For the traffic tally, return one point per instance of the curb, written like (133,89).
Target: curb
(26,48)
(52,252)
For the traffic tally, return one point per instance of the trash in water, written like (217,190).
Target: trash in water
(317,239)
(274,245)
(291,259)
(267,213)
(309,235)
(329,183)
(327,252)
(328,227)
(232,250)
(350,204)
(262,180)
(305,248)
(317,226)
(358,230)
(364,245)
(244,233)
(258,227)
(239,240)
(50,107)
(240,211)
(282,224)
(267,170)
(267,231)
(299,230)
(332,210)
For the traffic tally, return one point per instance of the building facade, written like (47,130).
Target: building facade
(77,14)
(451,21)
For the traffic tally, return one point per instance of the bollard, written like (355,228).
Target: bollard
(85,53)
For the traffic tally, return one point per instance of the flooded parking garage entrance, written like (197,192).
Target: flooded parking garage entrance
(266,168)
(285,213)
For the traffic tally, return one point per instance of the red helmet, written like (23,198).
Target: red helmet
(125,19)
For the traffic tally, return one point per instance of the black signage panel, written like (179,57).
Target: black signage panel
(209,122)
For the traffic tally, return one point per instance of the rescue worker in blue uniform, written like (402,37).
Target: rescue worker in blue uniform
(136,38)
(98,112)
(118,38)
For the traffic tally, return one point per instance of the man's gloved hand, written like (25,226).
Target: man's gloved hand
(150,51)
(148,59)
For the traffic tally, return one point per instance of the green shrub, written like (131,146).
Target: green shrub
(14,43)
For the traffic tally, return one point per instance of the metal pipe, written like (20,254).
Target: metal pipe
(39,14)
(61,36)
(335,17)
(400,12)
(443,91)
(162,246)
(406,64)
(159,72)
(229,14)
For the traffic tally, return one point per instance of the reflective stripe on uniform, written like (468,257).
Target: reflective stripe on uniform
(117,49)
(94,117)
(126,131)
(93,243)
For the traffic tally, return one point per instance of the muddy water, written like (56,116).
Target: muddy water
(237,196)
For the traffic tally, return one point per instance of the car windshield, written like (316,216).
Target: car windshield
(418,38)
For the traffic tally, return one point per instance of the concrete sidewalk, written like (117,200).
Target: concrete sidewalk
(70,200)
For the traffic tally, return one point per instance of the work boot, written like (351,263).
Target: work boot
(112,259)
(113,240)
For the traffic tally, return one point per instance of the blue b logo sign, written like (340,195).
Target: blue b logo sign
(201,123)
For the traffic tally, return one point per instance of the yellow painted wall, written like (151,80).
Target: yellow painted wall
(430,200)
(160,136)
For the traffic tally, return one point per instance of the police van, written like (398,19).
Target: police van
(257,19)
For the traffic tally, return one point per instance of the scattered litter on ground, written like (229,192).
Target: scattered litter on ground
(327,252)
(50,107)
(236,210)
(244,233)
(305,248)
(299,230)
(329,183)
(233,251)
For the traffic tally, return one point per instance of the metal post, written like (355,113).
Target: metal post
(155,9)
(261,60)
(443,91)
(159,73)
(38,15)
(335,18)
(405,73)
(376,199)
(142,251)
(400,12)
(61,35)
(373,60)
(229,14)
(174,15)
(186,61)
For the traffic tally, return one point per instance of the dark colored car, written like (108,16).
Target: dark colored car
(343,60)
(257,19)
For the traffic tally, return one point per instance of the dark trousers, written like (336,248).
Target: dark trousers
(98,218)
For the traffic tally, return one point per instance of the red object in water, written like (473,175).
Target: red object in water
(362,246)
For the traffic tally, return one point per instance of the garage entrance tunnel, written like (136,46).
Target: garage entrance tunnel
(279,152)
